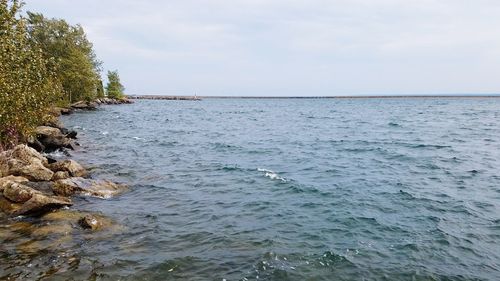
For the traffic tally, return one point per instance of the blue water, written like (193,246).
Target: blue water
(295,189)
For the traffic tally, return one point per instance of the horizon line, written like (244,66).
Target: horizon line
(492,95)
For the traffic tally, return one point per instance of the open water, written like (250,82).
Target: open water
(286,189)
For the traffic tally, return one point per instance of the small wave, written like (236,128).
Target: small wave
(138,138)
(105,133)
(57,154)
(429,146)
(272,175)
(392,124)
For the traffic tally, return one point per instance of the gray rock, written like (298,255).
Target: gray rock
(17,192)
(52,138)
(70,166)
(96,188)
(33,170)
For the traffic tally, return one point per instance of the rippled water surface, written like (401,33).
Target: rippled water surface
(289,189)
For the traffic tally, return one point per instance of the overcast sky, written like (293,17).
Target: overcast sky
(301,48)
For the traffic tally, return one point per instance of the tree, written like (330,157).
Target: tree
(27,86)
(100,90)
(72,55)
(114,89)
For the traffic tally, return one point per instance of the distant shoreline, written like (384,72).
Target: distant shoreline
(172,97)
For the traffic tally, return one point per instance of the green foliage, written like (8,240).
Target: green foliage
(114,88)
(27,85)
(74,60)
(43,63)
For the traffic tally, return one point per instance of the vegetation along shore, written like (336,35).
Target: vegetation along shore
(48,68)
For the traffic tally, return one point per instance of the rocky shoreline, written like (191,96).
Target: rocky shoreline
(34,185)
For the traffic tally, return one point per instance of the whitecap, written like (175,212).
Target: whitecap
(55,154)
(105,132)
(271,174)
(138,138)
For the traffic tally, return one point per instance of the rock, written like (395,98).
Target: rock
(93,221)
(35,144)
(7,180)
(17,192)
(63,215)
(25,161)
(62,110)
(40,203)
(7,206)
(42,186)
(96,188)
(4,166)
(27,154)
(52,230)
(84,105)
(47,131)
(71,166)
(60,175)
(90,222)
(34,170)
(69,133)
(52,138)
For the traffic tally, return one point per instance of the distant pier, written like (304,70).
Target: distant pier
(158,97)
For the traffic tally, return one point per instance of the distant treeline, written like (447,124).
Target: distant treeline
(44,62)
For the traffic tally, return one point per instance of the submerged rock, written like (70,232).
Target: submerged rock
(7,206)
(86,220)
(90,222)
(96,188)
(72,167)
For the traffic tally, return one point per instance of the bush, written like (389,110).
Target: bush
(27,86)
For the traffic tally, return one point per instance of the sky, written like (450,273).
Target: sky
(293,47)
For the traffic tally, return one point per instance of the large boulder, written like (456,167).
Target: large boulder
(41,203)
(34,170)
(52,138)
(37,202)
(7,180)
(27,154)
(96,188)
(72,167)
(24,161)
(17,192)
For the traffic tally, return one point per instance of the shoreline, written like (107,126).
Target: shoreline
(197,98)
(34,184)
